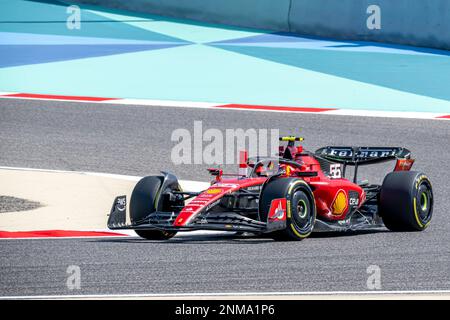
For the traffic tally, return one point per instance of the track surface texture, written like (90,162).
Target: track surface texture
(135,140)
(13,204)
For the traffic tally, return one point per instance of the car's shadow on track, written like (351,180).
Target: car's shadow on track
(234,238)
(347,233)
(198,239)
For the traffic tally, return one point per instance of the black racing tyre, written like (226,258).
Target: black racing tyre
(406,201)
(143,197)
(144,200)
(300,207)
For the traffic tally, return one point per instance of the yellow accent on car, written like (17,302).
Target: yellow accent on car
(298,234)
(340,203)
(288,203)
(416,214)
(291,138)
(295,183)
(423,198)
(288,207)
(288,170)
(214,191)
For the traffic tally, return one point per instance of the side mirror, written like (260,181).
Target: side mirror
(216,172)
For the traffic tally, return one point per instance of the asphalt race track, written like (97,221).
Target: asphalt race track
(135,140)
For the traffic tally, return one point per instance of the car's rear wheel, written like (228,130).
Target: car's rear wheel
(300,207)
(145,199)
(406,201)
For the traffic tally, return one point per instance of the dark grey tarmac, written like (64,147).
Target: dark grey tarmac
(136,140)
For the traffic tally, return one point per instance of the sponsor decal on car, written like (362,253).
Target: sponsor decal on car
(121,203)
(214,191)
(354,201)
(361,153)
(208,207)
(277,209)
(226,185)
(340,203)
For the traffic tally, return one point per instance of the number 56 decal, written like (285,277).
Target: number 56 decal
(335,171)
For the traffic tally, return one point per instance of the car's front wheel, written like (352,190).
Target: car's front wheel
(300,207)
(146,197)
(301,214)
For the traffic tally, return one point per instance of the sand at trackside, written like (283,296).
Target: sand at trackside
(72,201)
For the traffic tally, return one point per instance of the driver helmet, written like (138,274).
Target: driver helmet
(261,171)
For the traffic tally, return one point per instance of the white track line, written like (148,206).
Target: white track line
(238,294)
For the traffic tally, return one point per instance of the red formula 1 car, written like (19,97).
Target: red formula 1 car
(286,197)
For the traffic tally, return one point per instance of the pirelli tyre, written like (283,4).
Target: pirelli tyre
(406,201)
(300,207)
(145,198)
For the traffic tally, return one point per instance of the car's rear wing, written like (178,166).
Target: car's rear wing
(356,156)
(362,155)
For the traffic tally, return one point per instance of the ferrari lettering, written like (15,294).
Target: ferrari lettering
(341,152)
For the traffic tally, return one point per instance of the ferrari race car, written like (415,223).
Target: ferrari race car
(286,197)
